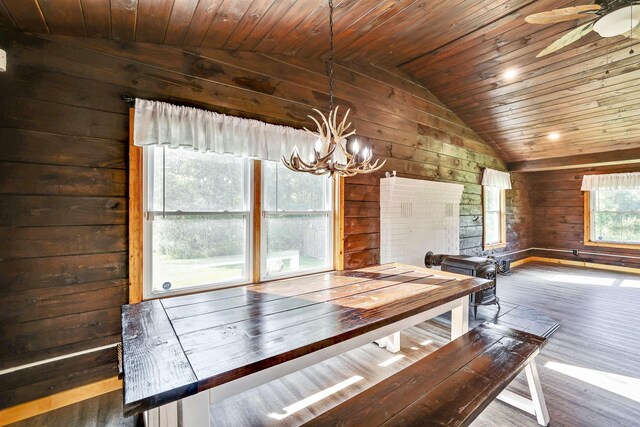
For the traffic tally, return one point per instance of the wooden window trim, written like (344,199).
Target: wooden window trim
(136,216)
(587,229)
(257,220)
(503,222)
(338,224)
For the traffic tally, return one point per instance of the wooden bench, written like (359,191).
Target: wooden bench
(451,386)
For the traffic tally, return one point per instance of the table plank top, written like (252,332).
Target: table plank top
(181,345)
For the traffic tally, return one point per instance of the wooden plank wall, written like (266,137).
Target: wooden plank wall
(519,217)
(63,180)
(558,210)
(63,260)
(362,219)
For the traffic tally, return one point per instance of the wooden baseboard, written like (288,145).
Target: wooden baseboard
(520,262)
(58,400)
(576,264)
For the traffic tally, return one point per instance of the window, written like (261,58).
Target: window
(197,220)
(612,217)
(199,223)
(495,223)
(297,222)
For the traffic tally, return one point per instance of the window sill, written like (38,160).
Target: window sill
(612,245)
(192,290)
(495,246)
(295,274)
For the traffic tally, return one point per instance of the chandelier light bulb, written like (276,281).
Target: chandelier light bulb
(335,159)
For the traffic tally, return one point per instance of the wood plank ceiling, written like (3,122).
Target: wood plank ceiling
(459,49)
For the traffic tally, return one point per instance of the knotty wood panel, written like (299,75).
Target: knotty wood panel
(26,147)
(37,242)
(558,213)
(586,93)
(64,176)
(63,188)
(460,51)
(38,210)
(58,301)
(23,339)
(42,380)
(33,273)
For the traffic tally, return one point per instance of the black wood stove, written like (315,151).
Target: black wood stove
(482,267)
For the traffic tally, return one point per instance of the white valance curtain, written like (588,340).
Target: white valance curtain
(612,181)
(496,179)
(172,126)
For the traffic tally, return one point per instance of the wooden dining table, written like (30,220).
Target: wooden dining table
(181,354)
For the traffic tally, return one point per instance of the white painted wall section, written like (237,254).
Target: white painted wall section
(417,216)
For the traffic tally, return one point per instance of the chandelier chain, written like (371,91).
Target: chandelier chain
(330,155)
(331,82)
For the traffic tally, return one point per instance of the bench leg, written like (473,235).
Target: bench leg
(534,406)
(390,342)
(163,416)
(192,411)
(537,397)
(460,318)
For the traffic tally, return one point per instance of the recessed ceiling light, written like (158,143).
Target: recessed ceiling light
(511,73)
(554,136)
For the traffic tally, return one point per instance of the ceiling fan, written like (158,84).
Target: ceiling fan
(608,18)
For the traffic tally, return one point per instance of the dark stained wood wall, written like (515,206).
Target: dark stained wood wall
(63,217)
(558,209)
(362,220)
(63,179)
(520,218)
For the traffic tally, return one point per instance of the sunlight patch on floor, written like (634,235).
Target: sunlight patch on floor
(391,360)
(621,385)
(426,342)
(580,280)
(308,401)
(628,283)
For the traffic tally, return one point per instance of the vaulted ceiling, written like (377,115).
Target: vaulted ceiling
(459,49)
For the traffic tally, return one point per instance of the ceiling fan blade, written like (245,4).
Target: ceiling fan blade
(634,33)
(566,14)
(568,38)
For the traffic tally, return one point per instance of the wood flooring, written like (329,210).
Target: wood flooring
(590,369)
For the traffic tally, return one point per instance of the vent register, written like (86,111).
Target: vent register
(406,210)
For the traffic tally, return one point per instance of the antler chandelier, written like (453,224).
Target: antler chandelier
(331,136)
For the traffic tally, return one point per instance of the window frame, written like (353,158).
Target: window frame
(330,248)
(588,227)
(136,224)
(148,155)
(503,221)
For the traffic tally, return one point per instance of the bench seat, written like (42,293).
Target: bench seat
(449,387)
